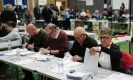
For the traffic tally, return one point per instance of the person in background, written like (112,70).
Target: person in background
(3,30)
(38,39)
(82,14)
(110,53)
(109,11)
(47,14)
(105,15)
(88,14)
(8,14)
(126,15)
(122,9)
(57,41)
(96,15)
(18,10)
(115,16)
(37,12)
(82,41)
(28,17)
(66,19)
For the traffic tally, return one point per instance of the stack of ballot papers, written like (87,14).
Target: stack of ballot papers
(24,53)
(119,76)
(25,61)
(40,57)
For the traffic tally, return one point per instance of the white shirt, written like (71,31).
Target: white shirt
(57,34)
(105,60)
(83,14)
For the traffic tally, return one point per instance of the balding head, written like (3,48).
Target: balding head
(80,34)
(31,29)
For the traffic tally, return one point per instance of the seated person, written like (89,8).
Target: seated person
(96,15)
(57,41)
(110,53)
(38,39)
(82,41)
(3,30)
(13,32)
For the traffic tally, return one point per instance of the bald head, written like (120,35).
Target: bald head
(80,34)
(79,31)
(31,29)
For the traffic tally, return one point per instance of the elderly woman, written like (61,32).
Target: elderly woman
(110,53)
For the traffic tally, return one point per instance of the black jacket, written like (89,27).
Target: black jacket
(115,55)
(79,50)
(8,16)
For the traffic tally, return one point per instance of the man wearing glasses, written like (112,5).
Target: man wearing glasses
(57,41)
(82,41)
(110,53)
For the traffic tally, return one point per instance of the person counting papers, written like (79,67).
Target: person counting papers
(110,53)
(82,41)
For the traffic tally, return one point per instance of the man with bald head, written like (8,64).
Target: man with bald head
(82,41)
(38,39)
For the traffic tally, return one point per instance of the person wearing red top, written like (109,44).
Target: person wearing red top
(126,63)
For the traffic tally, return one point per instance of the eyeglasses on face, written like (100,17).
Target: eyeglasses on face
(103,37)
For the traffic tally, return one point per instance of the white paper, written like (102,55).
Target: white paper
(26,61)
(55,70)
(116,4)
(91,61)
(118,77)
(67,60)
(77,74)
(67,56)
(10,53)
(18,2)
(42,2)
(89,2)
(26,53)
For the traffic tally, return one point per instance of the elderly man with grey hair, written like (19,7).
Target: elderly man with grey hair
(110,53)
(57,41)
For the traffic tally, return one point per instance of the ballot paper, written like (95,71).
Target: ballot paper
(26,53)
(77,75)
(55,70)
(10,52)
(91,61)
(119,76)
(40,57)
(67,60)
(25,61)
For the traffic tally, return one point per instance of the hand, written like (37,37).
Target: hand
(45,51)
(76,58)
(30,46)
(93,50)
(24,45)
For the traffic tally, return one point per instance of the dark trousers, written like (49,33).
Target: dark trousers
(28,75)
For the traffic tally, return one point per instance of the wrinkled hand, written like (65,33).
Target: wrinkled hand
(93,50)
(76,58)
(44,51)
(30,46)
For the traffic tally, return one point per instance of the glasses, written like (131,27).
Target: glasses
(104,37)
(77,38)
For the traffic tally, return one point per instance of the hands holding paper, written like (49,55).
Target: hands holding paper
(76,58)
(93,50)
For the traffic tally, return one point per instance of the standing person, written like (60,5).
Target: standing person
(122,9)
(66,20)
(47,14)
(8,14)
(37,12)
(109,11)
(82,41)
(18,10)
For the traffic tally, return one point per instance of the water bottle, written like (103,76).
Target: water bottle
(9,45)
(60,67)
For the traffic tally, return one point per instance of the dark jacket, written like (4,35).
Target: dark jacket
(8,16)
(115,55)
(79,50)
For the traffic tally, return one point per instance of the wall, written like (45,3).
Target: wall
(1,5)
(98,4)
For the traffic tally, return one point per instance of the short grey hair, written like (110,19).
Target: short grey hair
(51,26)
(105,31)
